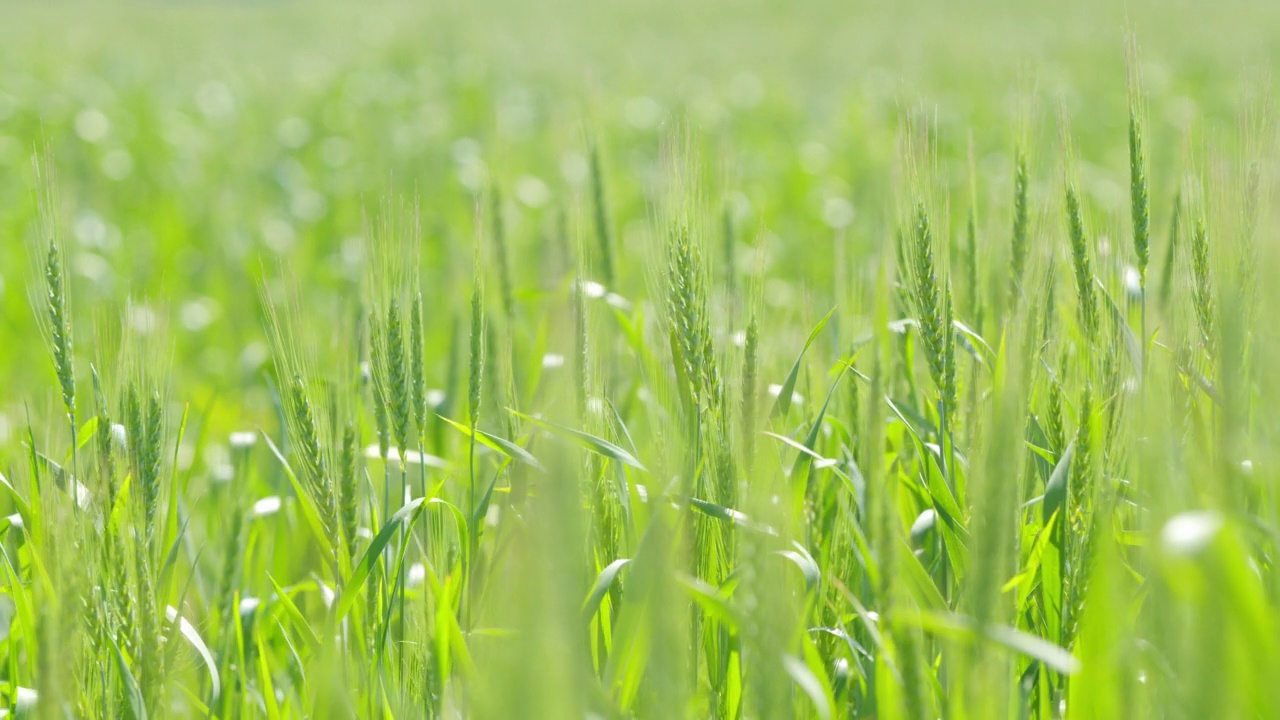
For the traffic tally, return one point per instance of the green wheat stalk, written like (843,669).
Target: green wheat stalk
(1080,260)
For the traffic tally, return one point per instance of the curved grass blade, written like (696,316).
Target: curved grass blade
(590,442)
(808,683)
(193,638)
(803,560)
(499,445)
(132,693)
(304,498)
(405,516)
(1055,491)
(291,609)
(783,403)
(603,582)
(1037,648)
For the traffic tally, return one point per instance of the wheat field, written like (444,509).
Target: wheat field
(639,360)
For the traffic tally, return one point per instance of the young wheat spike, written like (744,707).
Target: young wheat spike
(152,443)
(60,328)
(932,316)
(398,392)
(1021,226)
(349,501)
(1171,251)
(500,252)
(582,357)
(971,271)
(310,449)
(603,234)
(1080,260)
(750,372)
(1138,195)
(417,365)
(103,441)
(378,371)
(730,255)
(686,304)
(1202,284)
(477,353)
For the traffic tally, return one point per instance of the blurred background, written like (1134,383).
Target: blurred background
(198,143)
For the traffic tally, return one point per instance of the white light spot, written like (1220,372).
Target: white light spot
(552,360)
(814,157)
(593,289)
(243,439)
(417,575)
(532,192)
(117,164)
(775,390)
(643,112)
(574,168)
(838,212)
(1190,532)
(335,151)
(411,457)
(1132,281)
(278,234)
(214,99)
(293,132)
(142,319)
(267,506)
(198,314)
(746,90)
(92,126)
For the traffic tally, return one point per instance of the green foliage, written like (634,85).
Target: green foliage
(645,476)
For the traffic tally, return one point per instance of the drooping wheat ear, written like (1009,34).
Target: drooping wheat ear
(500,254)
(476,360)
(1080,260)
(1202,284)
(311,452)
(417,364)
(603,234)
(687,306)
(1021,226)
(347,486)
(379,384)
(398,381)
(1138,196)
(932,312)
(60,328)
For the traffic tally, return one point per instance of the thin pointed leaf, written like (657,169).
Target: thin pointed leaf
(783,403)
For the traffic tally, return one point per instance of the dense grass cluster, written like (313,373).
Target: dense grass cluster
(962,425)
